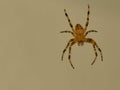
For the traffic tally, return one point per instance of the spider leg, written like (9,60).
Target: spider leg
(88,13)
(68,20)
(90,31)
(89,40)
(69,56)
(100,52)
(66,48)
(95,55)
(67,32)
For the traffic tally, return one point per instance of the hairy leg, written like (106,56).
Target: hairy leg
(66,48)
(95,55)
(88,13)
(100,52)
(68,20)
(67,32)
(89,40)
(69,56)
(90,32)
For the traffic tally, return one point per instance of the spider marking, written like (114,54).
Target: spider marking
(79,34)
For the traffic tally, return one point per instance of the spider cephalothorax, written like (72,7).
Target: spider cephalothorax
(79,34)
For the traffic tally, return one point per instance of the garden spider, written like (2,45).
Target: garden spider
(80,34)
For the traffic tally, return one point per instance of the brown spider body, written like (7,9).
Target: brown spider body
(79,34)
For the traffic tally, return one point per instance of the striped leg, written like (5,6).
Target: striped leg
(67,32)
(68,20)
(95,55)
(88,13)
(90,31)
(100,52)
(66,49)
(89,40)
(69,56)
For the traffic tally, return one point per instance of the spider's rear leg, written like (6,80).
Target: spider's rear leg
(100,52)
(66,48)
(95,55)
(89,40)
(69,56)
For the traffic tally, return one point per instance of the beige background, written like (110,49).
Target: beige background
(31,45)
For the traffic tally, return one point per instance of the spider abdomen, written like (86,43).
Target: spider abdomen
(80,43)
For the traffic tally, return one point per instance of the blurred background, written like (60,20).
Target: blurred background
(31,45)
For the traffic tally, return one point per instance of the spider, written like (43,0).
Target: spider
(79,33)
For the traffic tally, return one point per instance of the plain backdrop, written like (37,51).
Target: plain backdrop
(31,45)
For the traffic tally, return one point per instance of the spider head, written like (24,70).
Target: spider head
(79,29)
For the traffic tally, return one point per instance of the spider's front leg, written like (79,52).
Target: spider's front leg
(88,13)
(69,21)
(89,40)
